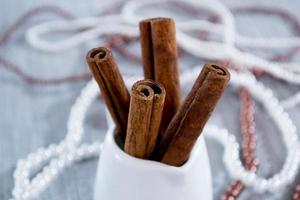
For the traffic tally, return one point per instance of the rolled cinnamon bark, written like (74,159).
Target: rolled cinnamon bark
(187,124)
(160,61)
(145,112)
(173,126)
(115,94)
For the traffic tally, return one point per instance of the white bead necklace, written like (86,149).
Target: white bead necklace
(71,150)
(126,23)
(288,133)
(58,155)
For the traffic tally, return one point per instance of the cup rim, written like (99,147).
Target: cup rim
(150,164)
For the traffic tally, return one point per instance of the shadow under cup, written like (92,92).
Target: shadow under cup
(121,176)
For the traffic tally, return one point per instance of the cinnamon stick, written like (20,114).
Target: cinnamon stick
(173,126)
(115,94)
(187,124)
(145,112)
(160,61)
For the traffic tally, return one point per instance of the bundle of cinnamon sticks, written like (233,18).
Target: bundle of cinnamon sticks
(151,120)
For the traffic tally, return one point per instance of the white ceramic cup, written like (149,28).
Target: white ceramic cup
(123,177)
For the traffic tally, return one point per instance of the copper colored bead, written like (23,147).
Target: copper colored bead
(252,145)
(244,146)
(236,192)
(230,188)
(248,142)
(252,168)
(247,153)
(240,185)
(256,162)
(249,160)
(250,116)
(231,198)
(251,129)
(257,71)
(224,197)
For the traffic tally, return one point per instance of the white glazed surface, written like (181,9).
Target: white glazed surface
(121,176)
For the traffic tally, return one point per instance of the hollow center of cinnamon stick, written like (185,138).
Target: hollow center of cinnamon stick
(101,54)
(145,91)
(94,53)
(154,86)
(219,70)
(156,89)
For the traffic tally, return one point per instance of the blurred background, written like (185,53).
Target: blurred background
(38,88)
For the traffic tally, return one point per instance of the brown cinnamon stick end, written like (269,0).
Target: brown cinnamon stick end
(115,94)
(146,104)
(156,32)
(156,20)
(157,88)
(98,53)
(138,120)
(222,71)
(188,123)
